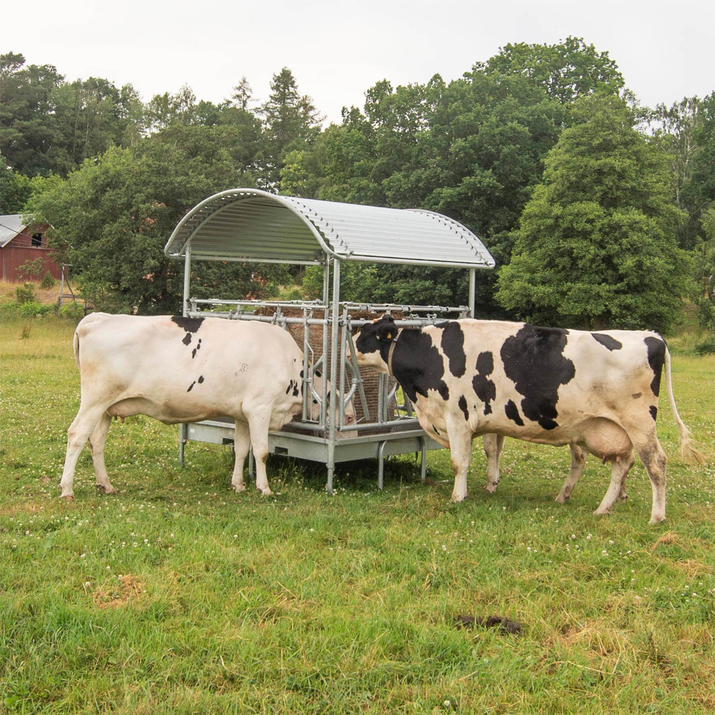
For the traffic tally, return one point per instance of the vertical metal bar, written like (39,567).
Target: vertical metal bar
(341,393)
(381,465)
(307,378)
(183,427)
(333,373)
(423,465)
(326,303)
(472,291)
(62,287)
(187,280)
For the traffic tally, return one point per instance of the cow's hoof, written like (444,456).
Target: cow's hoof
(238,488)
(561,499)
(491,488)
(657,519)
(107,490)
(456,498)
(602,512)
(68,497)
(265,491)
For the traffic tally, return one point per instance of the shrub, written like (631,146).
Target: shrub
(30,309)
(25,294)
(706,347)
(72,311)
(48,281)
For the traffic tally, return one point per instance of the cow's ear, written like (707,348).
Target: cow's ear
(387,331)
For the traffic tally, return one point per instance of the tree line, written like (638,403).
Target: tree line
(599,212)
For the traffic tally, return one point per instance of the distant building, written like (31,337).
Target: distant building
(21,242)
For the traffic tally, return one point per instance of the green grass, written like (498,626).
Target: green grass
(179,596)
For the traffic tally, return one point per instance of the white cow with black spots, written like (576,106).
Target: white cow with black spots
(595,391)
(185,370)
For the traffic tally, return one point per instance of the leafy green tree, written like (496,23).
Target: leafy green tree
(112,217)
(472,149)
(698,190)
(50,126)
(29,137)
(14,189)
(680,131)
(165,110)
(705,272)
(566,71)
(291,123)
(242,95)
(596,247)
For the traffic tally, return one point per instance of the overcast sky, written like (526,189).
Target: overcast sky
(337,50)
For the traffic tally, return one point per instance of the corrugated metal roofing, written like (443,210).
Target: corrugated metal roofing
(10,226)
(249,224)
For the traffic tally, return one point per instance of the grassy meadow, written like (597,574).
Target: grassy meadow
(178,596)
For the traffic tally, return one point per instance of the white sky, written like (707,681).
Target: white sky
(338,49)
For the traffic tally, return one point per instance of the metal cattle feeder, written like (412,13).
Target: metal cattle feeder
(249,225)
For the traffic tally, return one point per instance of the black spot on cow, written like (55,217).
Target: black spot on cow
(607,341)
(190,325)
(191,386)
(636,395)
(436,431)
(653,412)
(656,358)
(417,365)
(463,406)
(295,389)
(534,360)
(187,339)
(453,348)
(201,379)
(196,349)
(512,412)
(484,387)
(290,387)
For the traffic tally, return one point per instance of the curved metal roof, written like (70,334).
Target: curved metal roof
(253,225)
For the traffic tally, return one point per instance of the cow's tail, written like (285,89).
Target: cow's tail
(687,450)
(75,345)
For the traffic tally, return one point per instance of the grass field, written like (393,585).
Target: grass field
(179,596)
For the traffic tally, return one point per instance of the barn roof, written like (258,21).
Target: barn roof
(253,225)
(10,226)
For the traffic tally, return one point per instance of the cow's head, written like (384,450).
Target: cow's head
(315,404)
(373,343)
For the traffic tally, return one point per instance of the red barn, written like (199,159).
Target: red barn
(21,242)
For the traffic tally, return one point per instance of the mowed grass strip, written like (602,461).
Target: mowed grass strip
(179,596)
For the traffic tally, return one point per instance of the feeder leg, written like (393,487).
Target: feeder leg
(423,465)
(381,465)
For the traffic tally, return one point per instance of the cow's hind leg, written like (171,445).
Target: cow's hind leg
(578,462)
(77,435)
(619,472)
(241,445)
(493,444)
(654,460)
(258,424)
(97,440)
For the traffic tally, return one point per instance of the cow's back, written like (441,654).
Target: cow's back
(177,368)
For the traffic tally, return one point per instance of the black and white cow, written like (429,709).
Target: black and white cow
(185,370)
(595,390)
